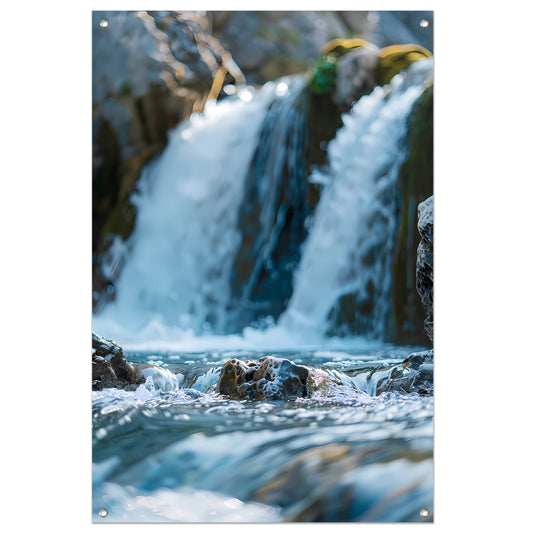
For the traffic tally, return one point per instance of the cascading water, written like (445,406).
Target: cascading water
(177,270)
(176,448)
(221,220)
(350,246)
(273,210)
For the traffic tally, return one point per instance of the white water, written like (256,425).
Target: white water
(175,281)
(355,219)
(185,234)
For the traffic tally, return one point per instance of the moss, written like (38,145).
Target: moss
(395,58)
(415,183)
(324,77)
(339,47)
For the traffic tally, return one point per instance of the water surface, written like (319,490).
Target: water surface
(175,450)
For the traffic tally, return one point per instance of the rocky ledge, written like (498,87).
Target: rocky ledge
(414,374)
(273,378)
(268,378)
(111,369)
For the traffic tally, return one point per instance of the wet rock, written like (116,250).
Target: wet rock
(327,483)
(413,375)
(327,463)
(109,365)
(424,262)
(268,378)
(110,369)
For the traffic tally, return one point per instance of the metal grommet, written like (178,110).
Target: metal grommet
(424,23)
(103,512)
(104,23)
(424,513)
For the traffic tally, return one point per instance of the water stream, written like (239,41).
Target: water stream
(175,449)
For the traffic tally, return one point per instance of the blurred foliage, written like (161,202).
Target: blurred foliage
(324,78)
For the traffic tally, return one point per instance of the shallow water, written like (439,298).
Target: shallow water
(175,450)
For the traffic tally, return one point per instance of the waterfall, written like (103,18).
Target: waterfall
(347,258)
(178,261)
(225,234)
(274,209)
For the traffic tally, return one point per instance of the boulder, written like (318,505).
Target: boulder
(109,365)
(272,378)
(268,378)
(424,262)
(111,369)
(413,375)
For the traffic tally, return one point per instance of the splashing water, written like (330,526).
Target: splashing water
(350,246)
(176,284)
(189,454)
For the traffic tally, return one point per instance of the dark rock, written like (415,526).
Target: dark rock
(414,375)
(417,375)
(268,378)
(424,262)
(109,365)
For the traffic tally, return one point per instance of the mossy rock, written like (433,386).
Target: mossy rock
(393,59)
(415,183)
(338,47)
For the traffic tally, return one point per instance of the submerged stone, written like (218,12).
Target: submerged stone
(268,378)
